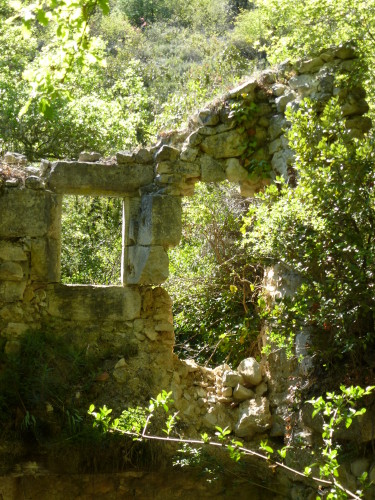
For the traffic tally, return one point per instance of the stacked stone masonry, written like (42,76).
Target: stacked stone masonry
(251,400)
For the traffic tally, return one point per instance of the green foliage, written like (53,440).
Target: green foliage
(290,29)
(322,230)
(102,418)
(152,78)
(92,240)
(135,421)
(208,15)
(243,111)
(69,45)
(149,11)
(212,282)
(132,420)
(39,384)
(336,409)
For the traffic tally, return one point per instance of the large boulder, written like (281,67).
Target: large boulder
(250,370)
(254,418)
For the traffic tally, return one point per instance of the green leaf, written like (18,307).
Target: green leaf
(42,17)
(104,5)
(307,471)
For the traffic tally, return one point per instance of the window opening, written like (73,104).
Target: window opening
(91,240)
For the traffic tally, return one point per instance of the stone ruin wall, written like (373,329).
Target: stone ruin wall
(137,317)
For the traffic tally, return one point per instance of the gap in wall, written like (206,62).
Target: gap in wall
(91,240)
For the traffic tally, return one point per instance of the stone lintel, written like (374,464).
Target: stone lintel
(98,179)
(93,303)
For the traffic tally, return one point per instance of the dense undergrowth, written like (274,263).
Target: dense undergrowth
(164,60)
(214,280)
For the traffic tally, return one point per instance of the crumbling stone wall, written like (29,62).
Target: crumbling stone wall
(137,317)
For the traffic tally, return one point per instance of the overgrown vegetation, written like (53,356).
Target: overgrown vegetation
(337,409)
(91,246)
(322,230)
(39,384)
(218,322)
(46,387)
(163,60)
(106,81)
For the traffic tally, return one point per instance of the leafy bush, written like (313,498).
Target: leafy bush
(91,244)
(212,282)
(39,384)
(323,230)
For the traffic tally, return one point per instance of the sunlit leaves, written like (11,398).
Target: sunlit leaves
(69,45)
(321,230)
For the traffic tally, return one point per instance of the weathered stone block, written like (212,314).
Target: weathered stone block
(164,326)
(261,389)
(217,416)
(231,379)
(167,153)
(12,312)
(182,169)
(16,329)
(97,179)
(11,291)
(278,89)
(194,139)
(12,251)
(346,52)
(25,212)
(250,370)
(15,158)
(260,136)
(246,88)
(121,371)
(93,303)
(147,265)
(352,106)
(34,182)
(160,221)
(363,123)
(278,125)
(205,131)
(254,418)
(242,393)
(227,392)
(303,82)
(211,170)
(283,100)
(86,156)
(11,271)
(208,117)
(188,154)
(310,65)
(12,182)
(226,145)
(125,157)
(234,171)
(281,160)
(45,260)
(263,109)
(144,155)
